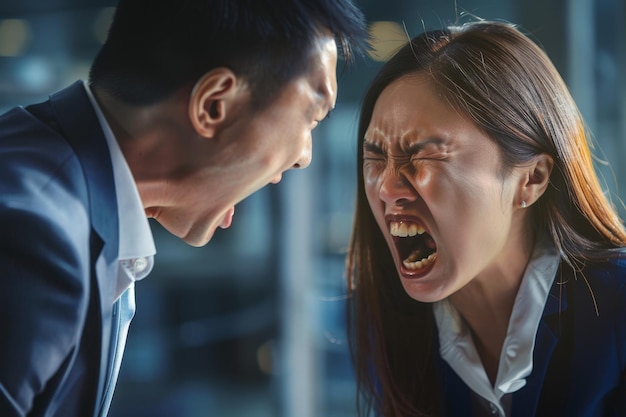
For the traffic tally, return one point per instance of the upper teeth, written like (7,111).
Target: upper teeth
(404,229)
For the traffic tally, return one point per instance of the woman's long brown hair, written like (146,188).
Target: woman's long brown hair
(505,84)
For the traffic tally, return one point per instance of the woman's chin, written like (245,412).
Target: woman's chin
(424,287)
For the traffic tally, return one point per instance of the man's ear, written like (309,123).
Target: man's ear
(209,98)
(535,179)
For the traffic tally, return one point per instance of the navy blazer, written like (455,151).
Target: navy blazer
(579,360)
(58,250)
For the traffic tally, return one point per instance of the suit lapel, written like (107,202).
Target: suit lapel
(457,396)
(81,127)
(526,400)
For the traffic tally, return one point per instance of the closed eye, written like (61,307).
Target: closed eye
(428,149)
(425,157)
(371,151)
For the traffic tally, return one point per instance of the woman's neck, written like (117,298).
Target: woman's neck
(486,304)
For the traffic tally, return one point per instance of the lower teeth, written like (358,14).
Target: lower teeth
(411,264)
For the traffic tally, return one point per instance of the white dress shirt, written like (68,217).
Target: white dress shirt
(135,256)
(516,358)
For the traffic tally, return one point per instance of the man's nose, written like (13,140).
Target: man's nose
(305,157)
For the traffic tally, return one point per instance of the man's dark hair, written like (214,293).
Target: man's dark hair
(157,46)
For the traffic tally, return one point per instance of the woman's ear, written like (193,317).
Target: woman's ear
(536,179)
(209,99)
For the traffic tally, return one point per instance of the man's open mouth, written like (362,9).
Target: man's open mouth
(416,248)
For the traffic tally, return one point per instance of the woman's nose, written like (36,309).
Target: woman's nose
(395,187)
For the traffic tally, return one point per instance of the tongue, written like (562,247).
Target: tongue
(415,256)
(425,248)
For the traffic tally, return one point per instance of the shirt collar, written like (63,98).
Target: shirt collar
(516,359)
(136,244)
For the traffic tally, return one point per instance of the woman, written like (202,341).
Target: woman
(486,262)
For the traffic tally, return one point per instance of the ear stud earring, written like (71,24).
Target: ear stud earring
(523,203)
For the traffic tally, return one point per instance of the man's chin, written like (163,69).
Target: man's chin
(197,236)
(198,240)
(200,232)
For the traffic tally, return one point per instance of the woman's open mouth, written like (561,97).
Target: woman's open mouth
(416,248)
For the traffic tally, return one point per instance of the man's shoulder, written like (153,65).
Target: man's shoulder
(35,148)
(31,153)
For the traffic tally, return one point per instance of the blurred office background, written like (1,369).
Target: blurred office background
(252,324)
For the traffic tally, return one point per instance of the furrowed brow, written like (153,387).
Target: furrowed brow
(418,146)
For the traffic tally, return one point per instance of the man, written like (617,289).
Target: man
(191,106)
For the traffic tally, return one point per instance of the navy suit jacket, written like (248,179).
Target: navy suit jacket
(579,361)
(58,250)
